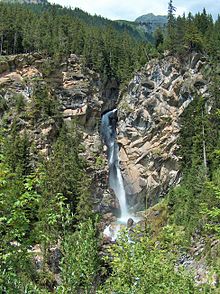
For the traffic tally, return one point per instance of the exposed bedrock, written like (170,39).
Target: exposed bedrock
(149,125)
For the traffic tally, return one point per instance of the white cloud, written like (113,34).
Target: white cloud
(117,9)
(131,9)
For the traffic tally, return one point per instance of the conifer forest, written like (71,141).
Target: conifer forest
(109,152)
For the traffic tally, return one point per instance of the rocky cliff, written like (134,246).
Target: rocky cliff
(149,117)
(37,80)
(149,125)
(39,95)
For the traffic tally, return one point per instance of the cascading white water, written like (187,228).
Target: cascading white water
(108,131)
(116,183)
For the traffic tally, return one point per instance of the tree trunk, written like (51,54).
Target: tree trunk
(1,44)
(203,144)
(15,43)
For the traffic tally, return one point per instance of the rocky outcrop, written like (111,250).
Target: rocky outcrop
(149,112)
(148,128)
(78,89)
(31,82)
(196,260)
(150,22)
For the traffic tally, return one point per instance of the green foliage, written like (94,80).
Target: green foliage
(19,103)
(17,151)
(171,22)
(48,202)
(194,204)
(40,204)
(17,273)
(192,33)
(84,201)
(65,189)
(159,37)
(211,209)
(19,201)
(184,201)
(198,127)
(53,220)
(80,264)
(43,103)
(18,198)
(99,161)
(3,104)
(108,47)
(18,216)
(141,266)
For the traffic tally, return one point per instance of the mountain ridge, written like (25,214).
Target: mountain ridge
(150,22)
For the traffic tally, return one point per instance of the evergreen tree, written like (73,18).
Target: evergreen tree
(158,36)
(80,264)
(171,25)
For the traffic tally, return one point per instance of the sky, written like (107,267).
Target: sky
(131,9)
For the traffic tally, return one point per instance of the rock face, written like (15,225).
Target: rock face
(149,113)
(76,90)
(148,128)
(150,22)
(80,96)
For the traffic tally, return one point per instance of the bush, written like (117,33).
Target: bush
(80,264)
(141,266)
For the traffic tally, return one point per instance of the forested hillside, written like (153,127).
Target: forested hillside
(106,46)
(60,71)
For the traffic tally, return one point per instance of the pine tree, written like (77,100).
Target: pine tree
(158,36)
(171,21)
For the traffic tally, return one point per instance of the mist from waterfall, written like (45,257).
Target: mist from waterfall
(108,132)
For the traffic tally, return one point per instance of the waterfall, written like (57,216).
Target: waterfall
(108,132)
